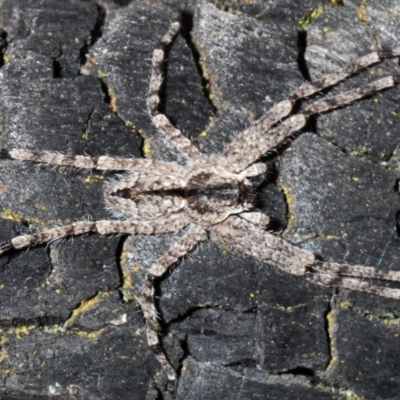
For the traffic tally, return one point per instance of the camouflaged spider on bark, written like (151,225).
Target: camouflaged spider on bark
(212,194)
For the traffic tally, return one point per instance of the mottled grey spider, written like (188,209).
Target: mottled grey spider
(212,194)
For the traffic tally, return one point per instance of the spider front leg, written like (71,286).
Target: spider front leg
(103,227)
(87,162)
(233,154)
(161,122)
(178,250)
(291,125)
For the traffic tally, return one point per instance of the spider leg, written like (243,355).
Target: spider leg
(88,162)
(341,99)
(275,251)
(161,122)
(239,145)
(260,244)
(255,171)
(248,152)
(178,250)
(354,277)
(103,227)
(257,218)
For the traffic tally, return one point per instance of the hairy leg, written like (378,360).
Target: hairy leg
(88,162)
(275,251)
(178,250)
(239,145)
(239,157)
(354,277)
(162,123)
(104,227)
(257,218)
(271,249)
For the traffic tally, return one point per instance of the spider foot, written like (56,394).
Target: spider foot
(5,246)
(172,386)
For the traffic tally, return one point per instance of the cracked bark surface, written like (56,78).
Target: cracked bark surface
(234,327)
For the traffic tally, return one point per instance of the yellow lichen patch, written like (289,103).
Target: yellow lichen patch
(12,215)
(331,324)
(359,152)
(3,188)
(43,207)
(8,371)
(344,304)
(127,285)
(146,147)
(361,11)
(94,178)
(113,104)
(90,335)
(127,278)
(113,100)
(62,171)
(289,201)
(308,19)
(203,134)
(102,74)
(23,330)
(3,356)
(354,178)
(85,306)
(254,294)
(350,395)
(124,257)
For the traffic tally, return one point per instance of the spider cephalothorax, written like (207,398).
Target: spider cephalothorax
(212,194)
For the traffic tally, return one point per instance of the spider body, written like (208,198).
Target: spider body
(212,195)
(205,195)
